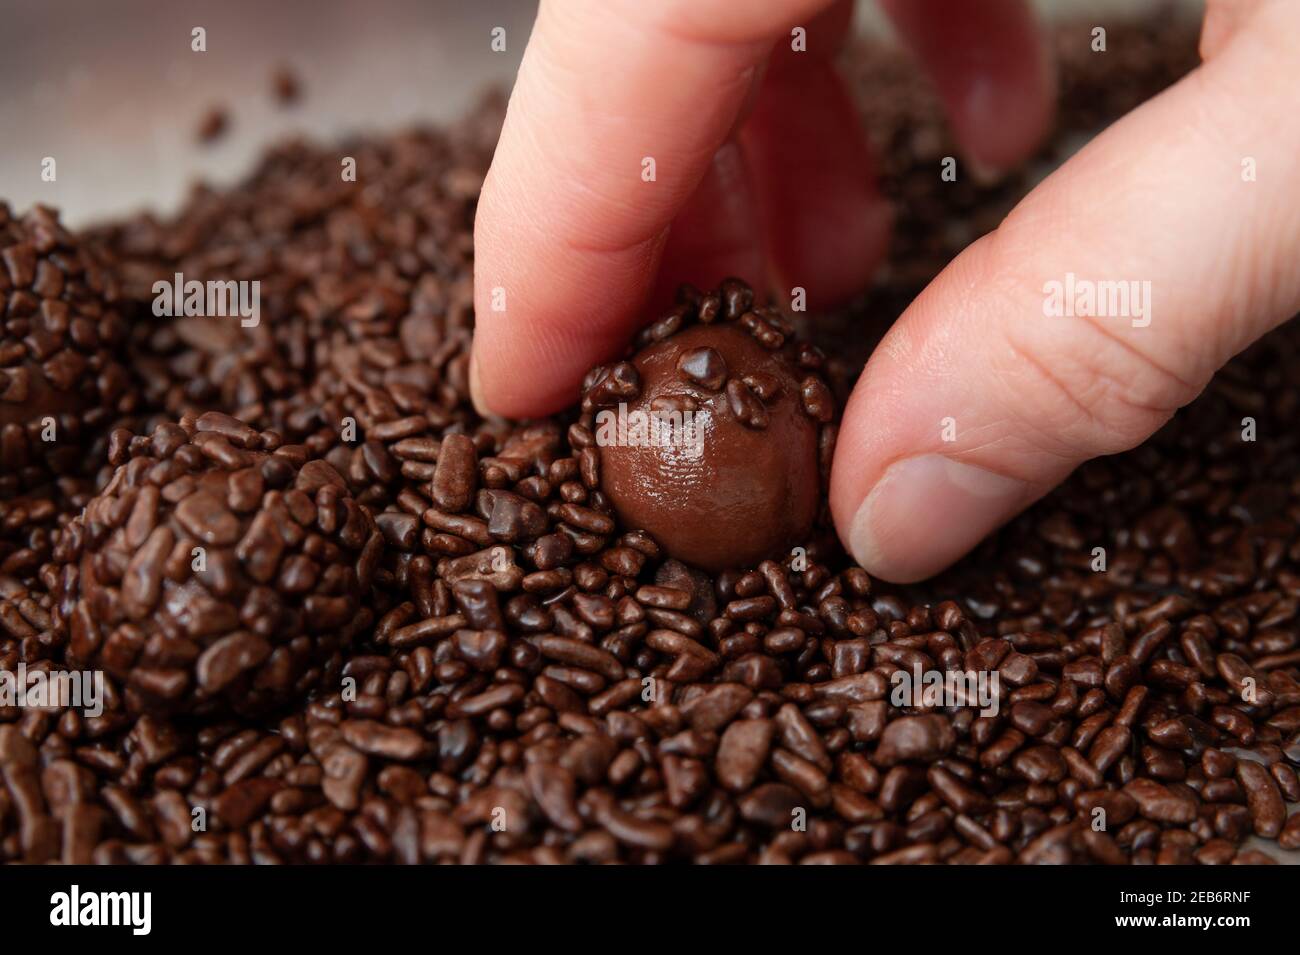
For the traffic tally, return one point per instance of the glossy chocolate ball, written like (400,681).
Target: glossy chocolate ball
(708,439)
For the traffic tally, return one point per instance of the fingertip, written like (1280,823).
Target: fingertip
(993,70)
(1001,120)
(716,234)
(834,262)
(926,512)
(825,223)
(476,385)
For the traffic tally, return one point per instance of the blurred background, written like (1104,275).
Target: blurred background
(112,90)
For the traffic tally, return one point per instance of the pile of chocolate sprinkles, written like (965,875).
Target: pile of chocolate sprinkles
(421,636)
(218,566)
(61,338)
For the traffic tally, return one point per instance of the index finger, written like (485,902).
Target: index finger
(617,112)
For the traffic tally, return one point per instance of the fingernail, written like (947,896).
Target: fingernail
(476,387)
(928,511)
(980,108)
(983,108)
(985,176)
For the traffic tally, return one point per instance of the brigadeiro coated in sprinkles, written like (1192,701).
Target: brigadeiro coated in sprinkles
(217,570)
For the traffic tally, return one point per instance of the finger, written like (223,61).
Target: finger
(990,64)
(1223,18)
(571,224)
(715,235)
(712,237)
(825,223)
(1162,197)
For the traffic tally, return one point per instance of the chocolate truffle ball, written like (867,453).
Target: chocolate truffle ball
(709,437)
(216,570)
(61,378)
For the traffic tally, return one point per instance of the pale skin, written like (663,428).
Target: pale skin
(762,173)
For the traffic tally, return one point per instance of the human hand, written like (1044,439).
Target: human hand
(766,176)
